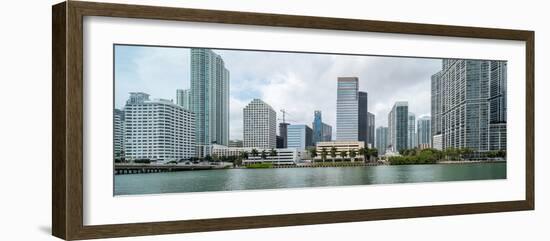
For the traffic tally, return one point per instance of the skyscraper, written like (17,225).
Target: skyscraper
(157,129)
(260,125)
(497,106)
(411,140)
(283,134)
(300,137)
(209,97)
(437,106)
(347,108)
(381,139)
(183,97)
(469,98)
(363,118)
(424,131)
(398,126)
(370,129)
(321,131)
(118,133)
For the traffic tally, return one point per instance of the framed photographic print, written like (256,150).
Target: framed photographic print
(172,120)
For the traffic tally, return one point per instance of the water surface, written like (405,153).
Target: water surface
(250,179)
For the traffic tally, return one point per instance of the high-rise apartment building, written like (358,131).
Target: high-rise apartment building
(209,99)
(347,109)
(118,133)
(370,130)
(469,105)
(424,131)
(260,125)
(381,139)
(411,140)
(157,129)
(497,106)
(183,98)
(398,126)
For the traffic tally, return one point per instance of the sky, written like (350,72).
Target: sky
(299,83)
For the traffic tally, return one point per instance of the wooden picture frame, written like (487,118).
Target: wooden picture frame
(67,123)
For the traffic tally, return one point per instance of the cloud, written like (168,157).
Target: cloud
(154,70)
(298,83)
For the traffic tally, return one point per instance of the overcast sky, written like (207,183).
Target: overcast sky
(297,82)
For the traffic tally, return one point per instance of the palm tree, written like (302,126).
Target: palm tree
(465,152)
(244,155)
(272,152)
(333,153)
(254,152)
(374,152)
(313,153)
(264,154)
(363,152)
(324,154)
(451,153)
(343,154)
(367,154)
(352,154)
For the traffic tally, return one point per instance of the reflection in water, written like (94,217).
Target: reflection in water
(247,179)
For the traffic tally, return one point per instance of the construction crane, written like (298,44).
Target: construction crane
(284,115)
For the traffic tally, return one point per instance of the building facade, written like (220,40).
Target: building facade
(411,140)
(470,104)
(158,130)
(437,141)
(209,97)
(235,143)
(321,130)
(363,117)
(370,130)
(299,137)
(347,109)
(497,106)
(398,126)
(183,98)
(284,156)
(381,139)
(118,133)
(339,146)
(260,125)
(283,134)
(424,132)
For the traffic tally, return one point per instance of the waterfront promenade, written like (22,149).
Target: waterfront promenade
(135,168)
(138,168)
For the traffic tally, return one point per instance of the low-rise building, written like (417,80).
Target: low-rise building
(437,142)
(283,156)
(340,146)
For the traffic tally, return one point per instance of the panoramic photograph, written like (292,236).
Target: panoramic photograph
(202,120)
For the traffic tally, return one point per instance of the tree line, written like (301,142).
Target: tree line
(363,154)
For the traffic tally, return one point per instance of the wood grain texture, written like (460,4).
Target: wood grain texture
(67,136)
(530,120)
(59,192)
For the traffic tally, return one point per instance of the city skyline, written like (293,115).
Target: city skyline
(161,71)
